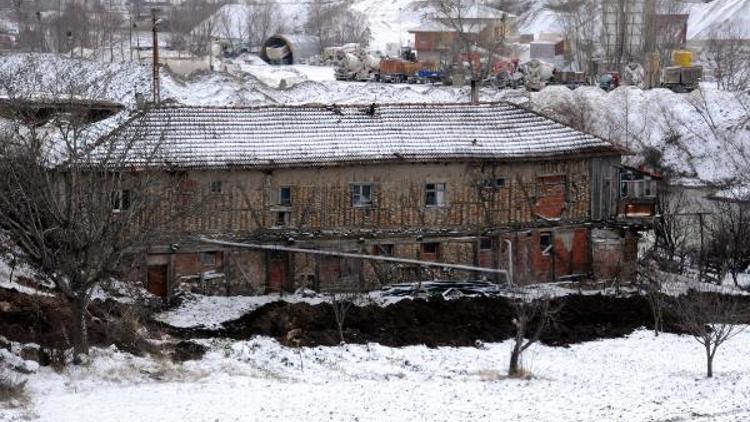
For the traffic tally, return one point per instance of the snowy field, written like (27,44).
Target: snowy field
(637,378)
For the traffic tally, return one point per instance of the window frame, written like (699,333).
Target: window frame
(440,195)
(546,250)
(120,200)
(436,248)
(380,248)
(357,192)
(213,187)
(280,200)
(212,254)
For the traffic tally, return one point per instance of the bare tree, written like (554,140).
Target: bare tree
(728,52)
(73,203)
(476,36)
(728,247)
(672,228)
(711,318)
(533,313)
(578,19)
(336,24)
(191,25)
(650,284)
(342,302)
(263,20)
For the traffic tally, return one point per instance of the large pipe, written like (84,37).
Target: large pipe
(510,261)
(354,256)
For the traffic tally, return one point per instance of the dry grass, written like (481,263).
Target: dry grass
(13,389)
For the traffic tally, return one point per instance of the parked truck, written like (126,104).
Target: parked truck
(683,75)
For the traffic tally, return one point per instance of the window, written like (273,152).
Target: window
(435,194)
(641,188)
(285,196)
(545,243)
(494,183)
(383,250)
(362,195)
(283,218)
(120,200)
(216,186)
(430,248)
(485,243)
(208,259)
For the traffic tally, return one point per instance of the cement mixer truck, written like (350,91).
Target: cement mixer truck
(357,66)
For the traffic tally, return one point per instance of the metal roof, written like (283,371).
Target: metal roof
(324,135)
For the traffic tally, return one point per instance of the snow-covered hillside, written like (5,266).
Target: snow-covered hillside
(704,135)
(718,15)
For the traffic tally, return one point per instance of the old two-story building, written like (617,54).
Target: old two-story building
(489,185)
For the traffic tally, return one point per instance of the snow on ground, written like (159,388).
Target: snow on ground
(199,311)
(640,377)
(209,312)
(390,21)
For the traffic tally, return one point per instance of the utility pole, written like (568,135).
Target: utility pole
(155,29)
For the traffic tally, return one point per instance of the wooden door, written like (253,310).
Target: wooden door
(157,280)
(278,271)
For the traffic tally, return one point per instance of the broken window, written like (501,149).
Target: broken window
(208,259)
(545,243)
(216,186)
(285,196)
(362,195)
(283,218)
(435,194)
(120,200)
(383,250)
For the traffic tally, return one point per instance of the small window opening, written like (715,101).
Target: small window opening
(362,195)
(216,186)
(208,259)
(430,248)
(545,243)
(120,200)
(383,250)
(485,243)
(282,218)
(285,196)
(435,194)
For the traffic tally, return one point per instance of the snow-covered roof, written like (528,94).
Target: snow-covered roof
(325,135)
(435,26)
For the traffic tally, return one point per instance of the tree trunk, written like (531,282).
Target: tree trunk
(515,355)
(709,362)
(341,331)
(80,326)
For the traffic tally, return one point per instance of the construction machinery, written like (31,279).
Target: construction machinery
(355,66)
(683,75)
(608,81)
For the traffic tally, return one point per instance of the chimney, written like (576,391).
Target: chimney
(474,91)
(140,101)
